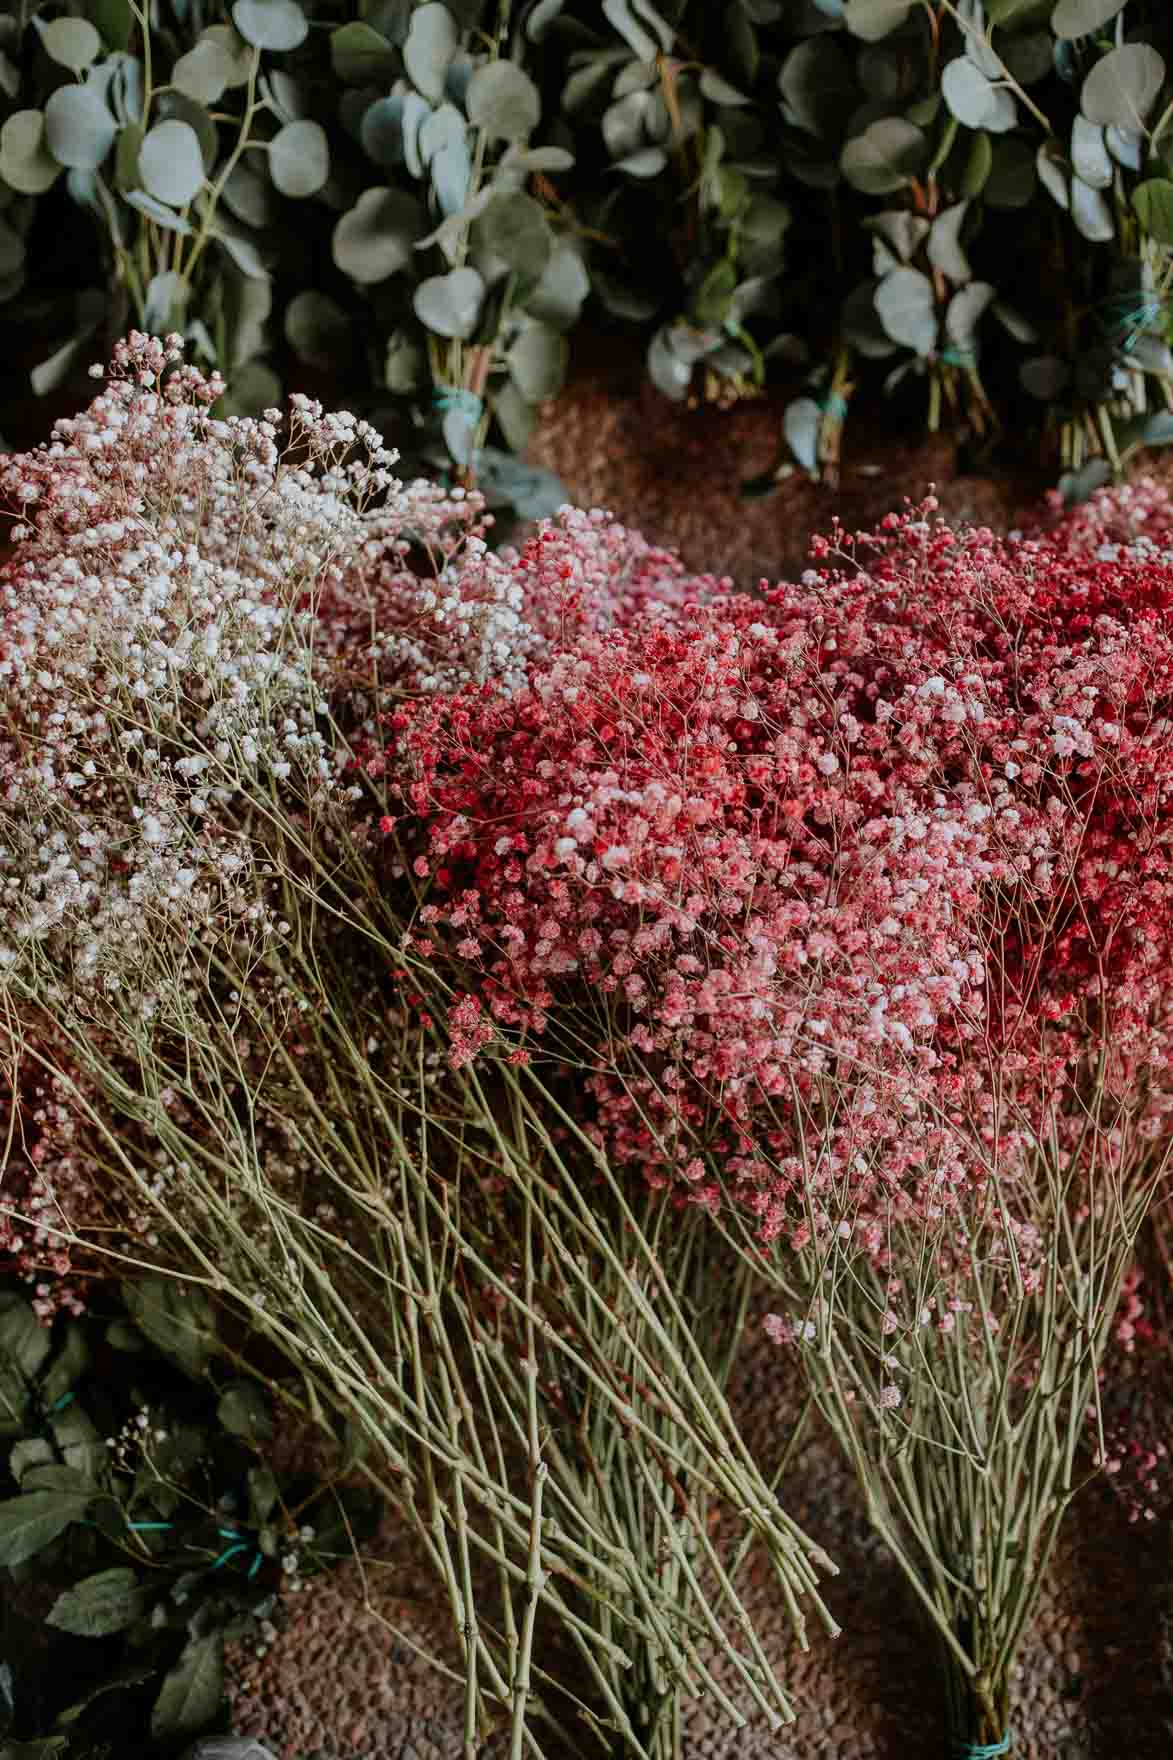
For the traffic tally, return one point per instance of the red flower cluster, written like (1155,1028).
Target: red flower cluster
(758,864)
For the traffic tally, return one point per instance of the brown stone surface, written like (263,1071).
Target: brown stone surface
(339,1686)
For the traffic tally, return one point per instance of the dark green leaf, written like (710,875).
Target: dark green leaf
(177,1318)
(537,362)
(906,309)
(885,157)
(244,1411)
(362,57)
(191,1693)
(24,1341)
(874,19)
(514,229)
(28,1523)
(1153,201)
(818,87)
(106,1602)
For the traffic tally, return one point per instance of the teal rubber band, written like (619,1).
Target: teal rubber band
(149,1527)
(982,1750)
(961,357)
(60,1404)
(461,398)
(229,1552)
(835,406)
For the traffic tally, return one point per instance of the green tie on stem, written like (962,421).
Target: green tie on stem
(964,1750)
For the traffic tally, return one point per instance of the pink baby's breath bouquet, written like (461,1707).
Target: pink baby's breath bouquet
(234,1051)
(844,913)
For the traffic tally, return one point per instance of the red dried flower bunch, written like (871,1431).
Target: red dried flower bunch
(749,861)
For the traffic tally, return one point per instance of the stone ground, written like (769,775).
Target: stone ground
(1091,1677)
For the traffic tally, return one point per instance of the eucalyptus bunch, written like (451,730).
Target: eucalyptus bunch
(138,1486)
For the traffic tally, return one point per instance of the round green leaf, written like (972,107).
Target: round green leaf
(1089,153)
(1123,86)
(79,130)
(170,163)
(299,159)
(537,362)
(377,236)
(1054,173)
(99,1605)
(361,57)
(270,24)
(404,363)
(514,229)
(1012,181)
(249,196)
(974,100)
(884,157)
(668,372)
(1080,18)
(1153,201)
(431,43)
(175,107)
(874,19)
(317,329)
(205,72)
(818,87)
(25,165)
(253,387)
(503,102)
(450,304)
(1045,377)
(906,309)
(381,132)
(558,298)
(73,42)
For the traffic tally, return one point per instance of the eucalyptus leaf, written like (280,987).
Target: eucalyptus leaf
(270,24)
(1089,154)
(382,131)
(170,163)
(719,91)
(1089,210)
(964,312)
(249,196)
(1153,201)
(514,416)
(1013,178)
(1029,57)
(801,425)
(648,162)
(157,211)
(190,1695)
(165,301)
(404,363)
(1078,486)
(206,71)
(503,480)
(1126,147)
(26,164)
(96,1606)
(431,43)
(361,56)
(979,164)
(451,175)
(514,229)
(668,373)
(639,40)
(73,42)
(48,374)
(450,305)
(79,129)
(818,87)
(1082,18)
(503,102)
(375,239)
(1123,86)
(299,159)
(874,19)
(907,310)
(1014,322)
(537,362)
(944,245)
(885,157)
(974,100)
(1054,173)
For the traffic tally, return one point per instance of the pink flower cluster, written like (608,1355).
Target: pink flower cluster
(779,873)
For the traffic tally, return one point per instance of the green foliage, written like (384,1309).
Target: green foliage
(137,1489)
(422,201)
